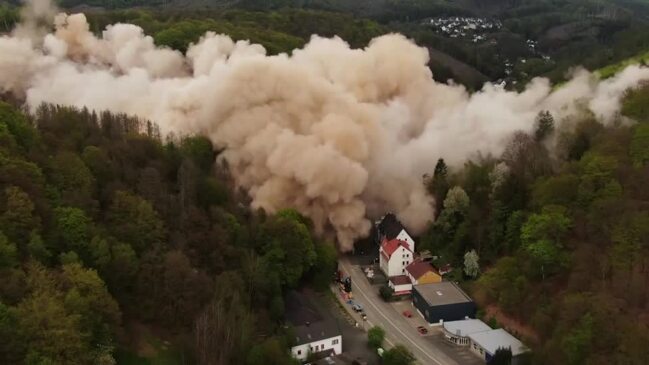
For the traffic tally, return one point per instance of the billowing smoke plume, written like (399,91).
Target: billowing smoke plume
(341,134)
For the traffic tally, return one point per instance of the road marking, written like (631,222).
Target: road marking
(392,323)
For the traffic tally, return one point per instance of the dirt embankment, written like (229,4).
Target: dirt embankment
(512,325)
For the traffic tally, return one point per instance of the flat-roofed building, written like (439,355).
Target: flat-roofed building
(485,344)
(458,331)
(440,302)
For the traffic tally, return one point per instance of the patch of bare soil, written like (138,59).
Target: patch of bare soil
(512,325)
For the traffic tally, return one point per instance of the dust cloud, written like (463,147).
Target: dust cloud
(343,135)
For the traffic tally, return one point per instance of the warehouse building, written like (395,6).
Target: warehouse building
(485,344)
(440,302)
(458,331)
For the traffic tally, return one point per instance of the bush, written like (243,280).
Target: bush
(375,337)
(386,293)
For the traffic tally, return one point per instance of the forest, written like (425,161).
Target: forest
(559,225)
(109,233)
(111,237)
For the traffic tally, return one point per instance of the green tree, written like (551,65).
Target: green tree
(73,180)
(325,265)
(639,148)
(289,247)
(503,356)
(8,252)
(577,344)
(398,355)
(544,125)
(37,248)
(456,202)
(542,236)
(18,125)
(19,218)
(375,337)
(73,228)
(199,150)
(134,221)
(11,344)
(438,185)
(471,264)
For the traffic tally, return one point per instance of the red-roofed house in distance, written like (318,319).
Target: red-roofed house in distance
(394,256)
(421,272)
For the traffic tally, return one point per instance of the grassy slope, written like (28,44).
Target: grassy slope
(611,70)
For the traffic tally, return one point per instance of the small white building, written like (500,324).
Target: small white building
(485,344)
(317,337)
(458,331)
(394,256)
(314,330)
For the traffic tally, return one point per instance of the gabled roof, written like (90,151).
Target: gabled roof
(418,268)
(388,247)
(390,227)
(494,339)
(400,280)
(309,323)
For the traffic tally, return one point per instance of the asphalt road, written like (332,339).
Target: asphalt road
(397,329)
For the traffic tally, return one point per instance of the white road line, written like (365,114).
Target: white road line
(392,323)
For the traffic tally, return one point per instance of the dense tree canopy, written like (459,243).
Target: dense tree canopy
(102,225)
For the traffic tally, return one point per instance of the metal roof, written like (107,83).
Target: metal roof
(442,293)
(465,327)
(490,341)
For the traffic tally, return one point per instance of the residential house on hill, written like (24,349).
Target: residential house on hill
(389,228)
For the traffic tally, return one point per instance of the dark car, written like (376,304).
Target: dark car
(422,330)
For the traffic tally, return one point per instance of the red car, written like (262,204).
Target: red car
(407,313)
(422,330)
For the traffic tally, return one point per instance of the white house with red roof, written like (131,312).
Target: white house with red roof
(394,256)
(389,228)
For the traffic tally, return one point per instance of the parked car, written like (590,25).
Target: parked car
(407,313)
(422,330)
(357,307)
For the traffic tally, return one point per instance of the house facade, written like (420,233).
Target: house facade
(394,257)
(315,331)
(316,344)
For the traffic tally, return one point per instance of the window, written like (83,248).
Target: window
(334,342)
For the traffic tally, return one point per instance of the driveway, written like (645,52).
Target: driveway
(397,328)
